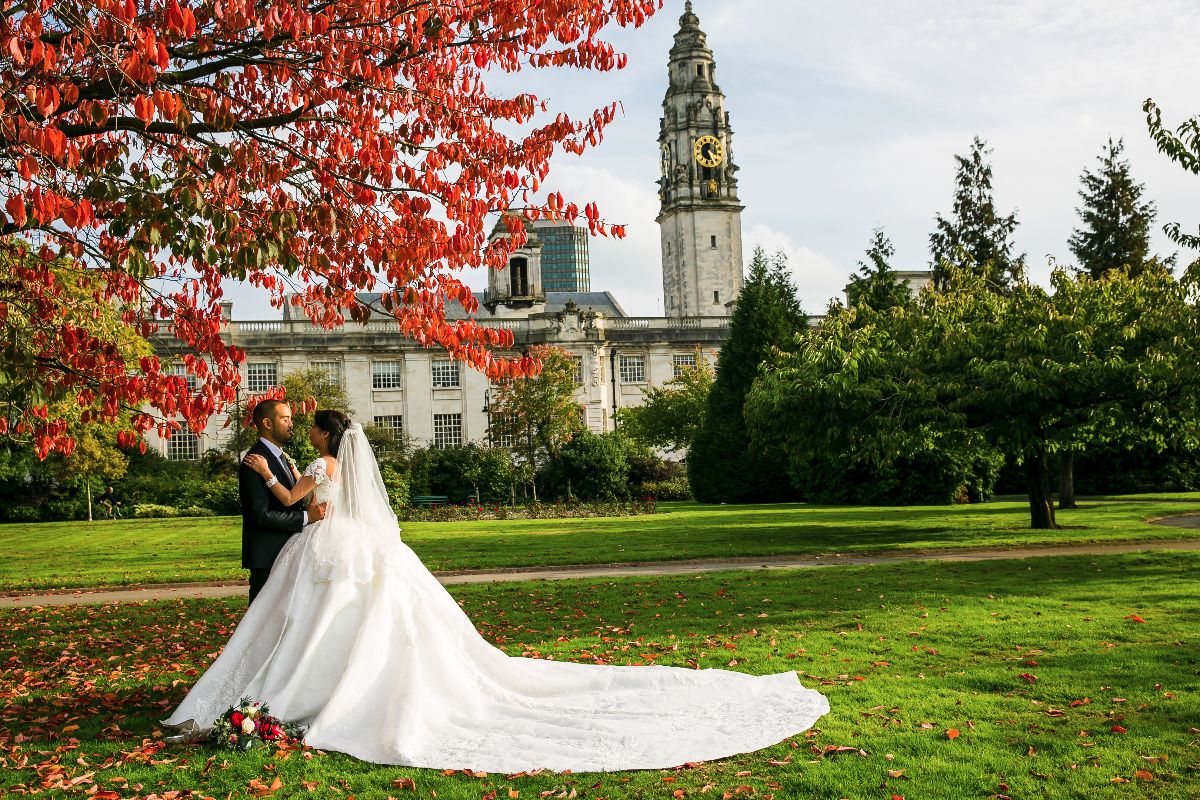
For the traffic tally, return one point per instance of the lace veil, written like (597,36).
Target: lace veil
(360,535)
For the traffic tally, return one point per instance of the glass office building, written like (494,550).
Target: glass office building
(565,266)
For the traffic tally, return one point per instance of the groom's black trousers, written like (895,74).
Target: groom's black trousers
(258,577)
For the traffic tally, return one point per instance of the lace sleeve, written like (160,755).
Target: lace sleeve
(317,471)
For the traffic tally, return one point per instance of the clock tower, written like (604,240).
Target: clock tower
(700,216)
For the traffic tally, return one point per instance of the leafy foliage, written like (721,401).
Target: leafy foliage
(1100,360)
(316,147)
(1183,147)
(876,283)
(975,237)
(592,466)
(1116,222)
(461,472)
(537,414)
(723,465)
(670,416)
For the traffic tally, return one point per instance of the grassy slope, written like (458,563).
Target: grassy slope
(904,652)
(77,554)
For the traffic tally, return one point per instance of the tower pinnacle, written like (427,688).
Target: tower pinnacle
(700,214)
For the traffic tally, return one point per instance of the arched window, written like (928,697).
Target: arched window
(518,277)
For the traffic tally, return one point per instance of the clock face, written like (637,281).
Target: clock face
(709,151)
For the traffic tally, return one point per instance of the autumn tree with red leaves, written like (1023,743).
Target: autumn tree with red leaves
(314,148)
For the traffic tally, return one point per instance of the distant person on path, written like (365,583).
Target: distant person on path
(109,501)
(267,523)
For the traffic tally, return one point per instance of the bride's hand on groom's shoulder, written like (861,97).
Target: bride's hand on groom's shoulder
(257,463)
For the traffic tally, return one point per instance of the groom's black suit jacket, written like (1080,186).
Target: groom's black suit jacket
(266,522)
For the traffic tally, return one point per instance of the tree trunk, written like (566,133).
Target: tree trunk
(89,490)
(1066,482)
(1041,510)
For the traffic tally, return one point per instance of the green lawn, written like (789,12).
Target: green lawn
(79,554)
(1055,689)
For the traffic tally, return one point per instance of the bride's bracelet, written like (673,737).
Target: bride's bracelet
(274,480)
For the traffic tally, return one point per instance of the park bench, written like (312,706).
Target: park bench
(430,500)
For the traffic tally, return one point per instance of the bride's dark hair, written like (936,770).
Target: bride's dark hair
(335,424)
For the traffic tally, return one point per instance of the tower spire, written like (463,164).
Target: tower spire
(700,214)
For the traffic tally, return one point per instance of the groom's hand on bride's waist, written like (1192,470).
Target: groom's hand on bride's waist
(316,511)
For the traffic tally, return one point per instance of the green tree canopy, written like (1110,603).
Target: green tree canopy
(1183,147)
(722,464)
(537,415)
(670,415)
(975,236)
(1116,221)
(876,283)
(1113,359)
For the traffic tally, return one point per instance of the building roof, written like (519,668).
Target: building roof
(603,302)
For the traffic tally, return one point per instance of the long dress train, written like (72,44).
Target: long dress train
(354,638)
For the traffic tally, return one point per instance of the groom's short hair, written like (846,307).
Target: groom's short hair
(265,410)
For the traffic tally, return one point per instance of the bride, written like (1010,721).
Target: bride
(355,639)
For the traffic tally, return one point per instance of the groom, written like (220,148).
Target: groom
(267,523)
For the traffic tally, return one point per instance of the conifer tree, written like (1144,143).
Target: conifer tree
(876,283)
(723,466)
(1116,222)
(975,237)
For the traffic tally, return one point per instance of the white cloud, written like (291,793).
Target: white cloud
(817,277)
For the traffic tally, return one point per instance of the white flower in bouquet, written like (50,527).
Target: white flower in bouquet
(248,726)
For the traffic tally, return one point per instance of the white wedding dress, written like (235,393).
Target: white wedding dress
(355,639)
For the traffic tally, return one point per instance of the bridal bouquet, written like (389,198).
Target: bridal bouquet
(250,723)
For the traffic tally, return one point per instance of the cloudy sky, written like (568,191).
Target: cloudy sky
(847,116)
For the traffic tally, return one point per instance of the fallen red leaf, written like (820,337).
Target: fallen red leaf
(1134,618)
(1118,729)
(952,733)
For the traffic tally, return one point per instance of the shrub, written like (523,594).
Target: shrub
(196,511)
(670,489)
(154,511)
(458,472)
(591,466)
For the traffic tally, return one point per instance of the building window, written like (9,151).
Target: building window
(712,241)
(716,297)
(261,376)
(392,423)
(699,70)
(183,446)
(578,362)
(681,363)
(447,430)
(445,374)
(633,369)
(386,374)
(331,373)
(518,269)
(182,371)
(501,429)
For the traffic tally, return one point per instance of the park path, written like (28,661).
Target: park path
(645,569)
